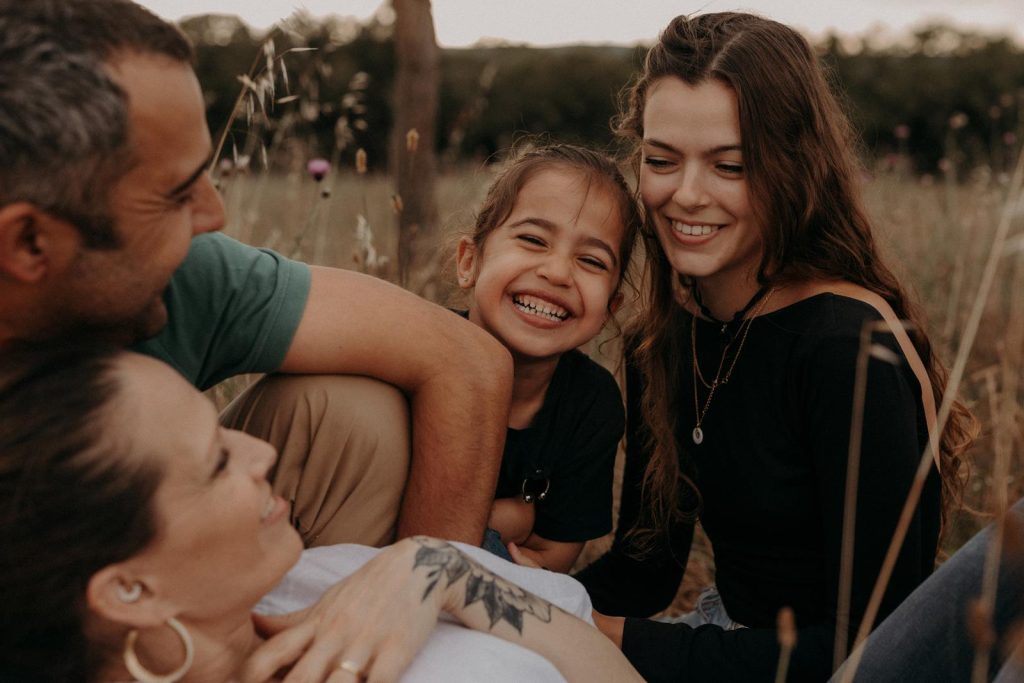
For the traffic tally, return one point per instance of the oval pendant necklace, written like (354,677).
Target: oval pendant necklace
(720,379)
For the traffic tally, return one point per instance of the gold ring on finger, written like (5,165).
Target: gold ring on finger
(353,668)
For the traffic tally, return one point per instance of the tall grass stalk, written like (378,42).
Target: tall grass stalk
(1010,208)
(264,59)
(311,222)
(850,502)
(950,225)
(867,350)
(237,106)
(1004,423)
(983,611)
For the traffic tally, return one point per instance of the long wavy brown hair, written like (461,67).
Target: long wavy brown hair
(800,159)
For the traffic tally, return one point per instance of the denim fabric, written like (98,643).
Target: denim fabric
(1012,672)
(492,544)
(925,638)
(707,610)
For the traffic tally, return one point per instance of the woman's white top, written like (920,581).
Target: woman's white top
(452,652)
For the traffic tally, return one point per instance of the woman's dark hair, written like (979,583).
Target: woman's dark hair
(71,503)
(804,178)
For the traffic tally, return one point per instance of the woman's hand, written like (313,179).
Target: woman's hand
(524,556)
(536,551)
(376,619)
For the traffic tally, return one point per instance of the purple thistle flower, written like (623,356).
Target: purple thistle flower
(318,168)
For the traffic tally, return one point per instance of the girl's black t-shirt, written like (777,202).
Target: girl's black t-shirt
(569,451)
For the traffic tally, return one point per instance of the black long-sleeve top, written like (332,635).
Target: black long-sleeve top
(772,473)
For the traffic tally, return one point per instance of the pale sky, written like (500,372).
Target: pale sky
(550,22)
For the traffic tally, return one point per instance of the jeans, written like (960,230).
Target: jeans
(492,544)
(926,638)
(707,610)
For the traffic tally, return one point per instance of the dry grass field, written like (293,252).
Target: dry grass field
(938,233)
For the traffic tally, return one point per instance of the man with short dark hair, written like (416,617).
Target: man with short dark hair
(108,223)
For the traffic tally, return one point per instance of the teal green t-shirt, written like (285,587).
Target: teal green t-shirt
(232,309)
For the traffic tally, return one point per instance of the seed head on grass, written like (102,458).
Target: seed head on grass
(979,625)
(786,624)
(365,254)
(786,632)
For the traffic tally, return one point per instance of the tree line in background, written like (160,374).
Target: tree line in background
(943,99)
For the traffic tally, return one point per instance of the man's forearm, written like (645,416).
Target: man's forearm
(457,376)
(458,426)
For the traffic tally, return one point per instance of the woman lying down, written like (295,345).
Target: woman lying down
(138,535)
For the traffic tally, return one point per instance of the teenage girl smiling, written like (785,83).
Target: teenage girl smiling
(762,272)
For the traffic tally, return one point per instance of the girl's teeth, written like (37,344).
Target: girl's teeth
(534,306)
(695,230)
(267,509)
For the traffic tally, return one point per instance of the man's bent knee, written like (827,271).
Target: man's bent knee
(344,450)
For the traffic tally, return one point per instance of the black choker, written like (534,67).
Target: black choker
(739,314)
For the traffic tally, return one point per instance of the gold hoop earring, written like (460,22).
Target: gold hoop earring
(144,675)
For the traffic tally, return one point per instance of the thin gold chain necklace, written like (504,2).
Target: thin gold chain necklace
(740,316)
(719,380)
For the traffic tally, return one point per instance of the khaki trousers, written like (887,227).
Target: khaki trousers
(343,452)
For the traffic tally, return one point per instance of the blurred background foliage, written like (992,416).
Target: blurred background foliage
(939,97)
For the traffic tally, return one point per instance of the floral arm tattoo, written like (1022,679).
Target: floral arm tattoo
(503,600)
